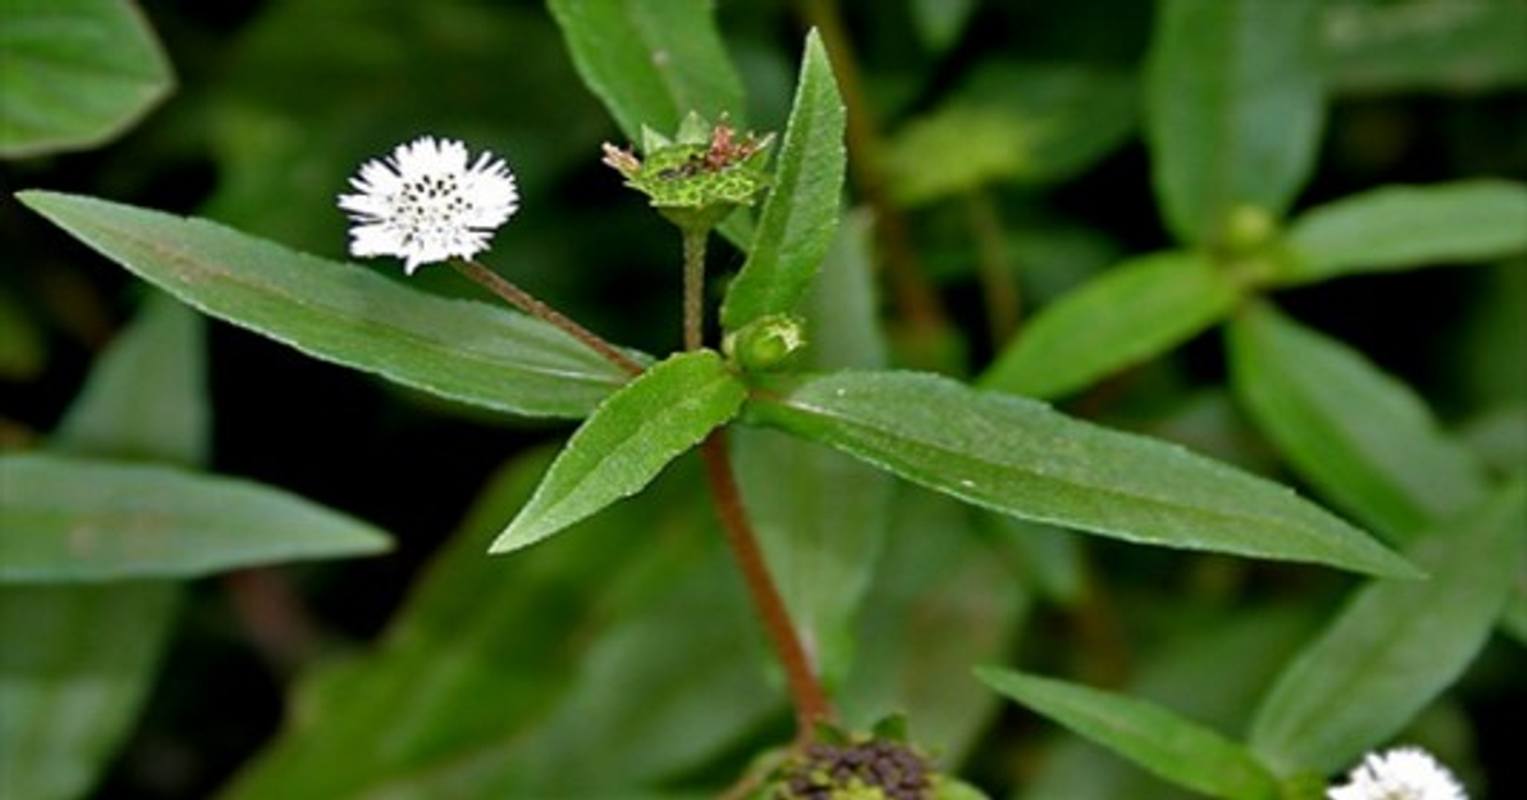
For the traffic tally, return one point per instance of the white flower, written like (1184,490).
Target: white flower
(424,204)
(1404,773)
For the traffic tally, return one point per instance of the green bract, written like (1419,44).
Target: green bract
(700,176)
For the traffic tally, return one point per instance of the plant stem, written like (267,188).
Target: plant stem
(521,299)
(694,287)
(811,704)
(994,265)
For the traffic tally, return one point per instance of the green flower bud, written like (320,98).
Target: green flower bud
(1249,229)
(700,176)
(768,344)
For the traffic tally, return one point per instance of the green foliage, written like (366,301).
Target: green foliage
(1022,458)
(1360,436)
(61,678)
(348,314)
(102,50)
(628,439)
(798,220)
(1396,645)
(1234,108)
(1399,227)
(72,520)
(1119,191)
(651,61)
(1030,123)
(1137,310)
(71,700)
(1177,749)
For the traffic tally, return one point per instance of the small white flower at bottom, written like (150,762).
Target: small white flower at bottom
(425,204)
(1404,773)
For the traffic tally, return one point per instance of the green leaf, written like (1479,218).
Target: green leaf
(1397,645)
(1364,439)
(346,314)
(487,680)
(1403,227)
(1175,748)
(651,61)
(1187,674)
(1033,123)
(146,398)
(1233,108)
(1022,458)
(939,22)
(627,441)
(70,519)
(799,218)
(1424,44)
(72,688)
(75,73)
(1137,310)
(820,516)
(943,598)
(82,695)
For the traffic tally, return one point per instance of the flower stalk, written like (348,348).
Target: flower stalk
(519,298)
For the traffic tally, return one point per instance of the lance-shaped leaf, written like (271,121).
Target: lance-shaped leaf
(92,649)
(71,519)
(1233,108)
(627,442)
(798,220)
(76,73)
(1021,457)
(1401,227)
(1187,674)
(1419,46)
(146,397)
(1177,749)
(547,675)
(651,61)
(351,315)
(1363,438)
(1397,644)
(72,687)
(1137,310)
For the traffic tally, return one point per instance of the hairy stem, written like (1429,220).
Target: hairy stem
(694,287)
(811,704)
(521,299)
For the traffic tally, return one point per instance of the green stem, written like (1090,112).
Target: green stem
(521,299)
(694,287)
(994,266)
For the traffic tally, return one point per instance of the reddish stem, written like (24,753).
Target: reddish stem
(811,704)
(524,301)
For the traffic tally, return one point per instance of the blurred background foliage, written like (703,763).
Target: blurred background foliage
(1006,141)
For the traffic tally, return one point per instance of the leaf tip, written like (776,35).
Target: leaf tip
(517,536)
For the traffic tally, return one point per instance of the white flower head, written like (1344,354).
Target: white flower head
(1404,773)
(425,204)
